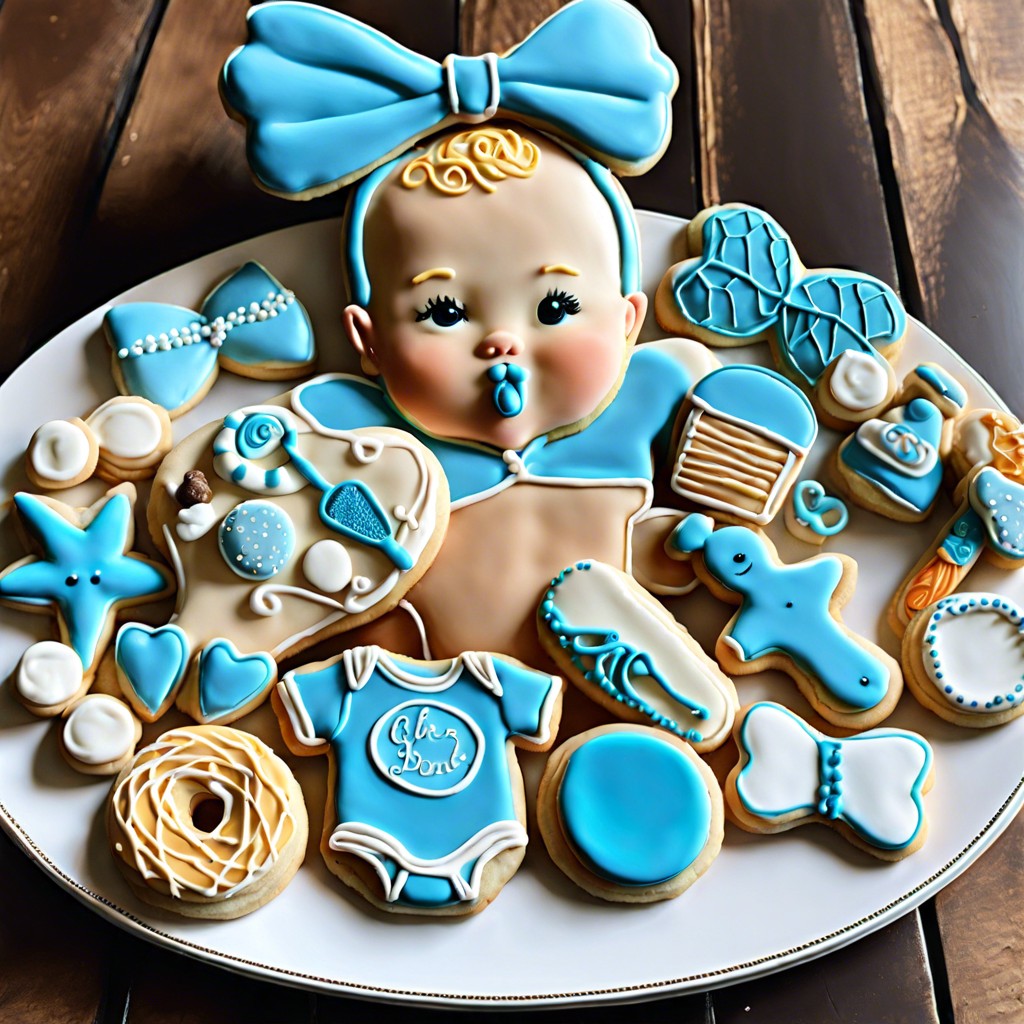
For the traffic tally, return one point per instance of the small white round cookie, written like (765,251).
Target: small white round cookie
(133,436)
(61,454)
(99,735)
(49,678)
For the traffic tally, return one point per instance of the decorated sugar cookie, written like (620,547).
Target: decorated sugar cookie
(49,678)
(99,734)
(84,571)
(207,822)
(249,324)
(282,534)
(963,658)
(832,331)
(425,810)
(870,788)
(630,814)
(788,618)
(813,516)
(743,443)
(623,649)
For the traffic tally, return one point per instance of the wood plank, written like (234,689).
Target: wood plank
(179,185)
(53,950)
(950,91)
(67,68)
(670,187)
(784,126)
(981,921)
(883,977)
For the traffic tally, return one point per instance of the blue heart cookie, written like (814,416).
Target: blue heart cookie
(229,681)
(151,663)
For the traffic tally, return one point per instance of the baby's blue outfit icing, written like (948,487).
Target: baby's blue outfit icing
(616,446)
(423,786)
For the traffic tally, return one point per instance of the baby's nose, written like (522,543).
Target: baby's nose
(498,344)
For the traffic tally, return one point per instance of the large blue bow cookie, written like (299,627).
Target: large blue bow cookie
(249,324)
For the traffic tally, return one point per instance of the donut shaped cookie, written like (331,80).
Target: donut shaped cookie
(207,822)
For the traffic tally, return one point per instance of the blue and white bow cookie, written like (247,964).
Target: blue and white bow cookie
(249,324)
(873,783)
(326,98)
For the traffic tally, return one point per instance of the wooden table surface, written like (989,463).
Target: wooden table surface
(887,135)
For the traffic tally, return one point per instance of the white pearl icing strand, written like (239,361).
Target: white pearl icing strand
(49,674)
(858,381)
(60,451)
(99,730)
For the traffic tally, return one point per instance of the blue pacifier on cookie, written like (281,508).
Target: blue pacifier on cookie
(509,393)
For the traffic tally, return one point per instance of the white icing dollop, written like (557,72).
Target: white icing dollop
(50,673)
(99,730)
(60,451)
(127,430)
(859,381)
(328,566)
(196,522)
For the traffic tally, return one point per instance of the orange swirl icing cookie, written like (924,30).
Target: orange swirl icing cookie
(208,822)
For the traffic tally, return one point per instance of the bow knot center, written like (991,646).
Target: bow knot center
(473,87)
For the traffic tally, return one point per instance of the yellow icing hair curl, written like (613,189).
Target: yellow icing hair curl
(479,156)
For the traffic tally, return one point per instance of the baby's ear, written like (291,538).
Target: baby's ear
(362,337)
(635,312)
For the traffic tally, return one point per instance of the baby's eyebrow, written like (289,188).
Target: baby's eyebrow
(560,268)
(444,272)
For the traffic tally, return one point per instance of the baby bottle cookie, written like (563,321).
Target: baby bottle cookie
(788,618)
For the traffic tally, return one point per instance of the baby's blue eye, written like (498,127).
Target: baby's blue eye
(444,312)
(554,307)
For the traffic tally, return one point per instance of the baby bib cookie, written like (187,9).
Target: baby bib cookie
(283,533)
(624,649)
(789,618)
(630,814)
(869,788)
(207,822)
(425,808)
(963,659)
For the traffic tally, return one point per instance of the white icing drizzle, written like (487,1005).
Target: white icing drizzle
(99,730)
(858,381)
(151,811)
(127,430)
(50,673)
(60,451)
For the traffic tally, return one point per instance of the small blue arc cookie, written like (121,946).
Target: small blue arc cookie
(630,813)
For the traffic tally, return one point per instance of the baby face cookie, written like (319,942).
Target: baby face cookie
(282,534)
(870,788)
(425,812)
(831,331)
(624,649)
(630,814)
(963,659)
(207,822)
(789,618)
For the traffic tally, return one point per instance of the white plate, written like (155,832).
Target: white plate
(767,902)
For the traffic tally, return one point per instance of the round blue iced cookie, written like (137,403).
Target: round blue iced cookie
(638,815)
(256,539)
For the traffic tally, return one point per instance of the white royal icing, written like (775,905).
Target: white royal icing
(328,566)
(858,381)
(99,730)
(50,673)
(196,522)
(60,451)
(127,430)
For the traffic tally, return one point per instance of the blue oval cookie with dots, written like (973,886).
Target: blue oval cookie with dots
(256,539)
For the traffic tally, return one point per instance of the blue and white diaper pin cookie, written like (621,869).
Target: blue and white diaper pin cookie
(788,618)
(870,787)
(427,815)
(249,324)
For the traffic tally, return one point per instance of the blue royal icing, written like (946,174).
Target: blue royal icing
(999,503)
(634,808)
(152,661)
(943,384)
(256,539)
(748,280)
(812,506)
(83,572)
(229,680)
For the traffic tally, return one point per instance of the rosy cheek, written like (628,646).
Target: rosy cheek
(579,368)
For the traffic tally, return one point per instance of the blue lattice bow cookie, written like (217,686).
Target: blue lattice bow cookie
(326,98)
(871,785)
(830,330)
(249,324)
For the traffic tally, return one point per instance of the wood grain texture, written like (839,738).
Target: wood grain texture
(952,89)
(179,185)
(493,25)
(784,126)
(981,920)
(53,952)
(67,65)
(883,977)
